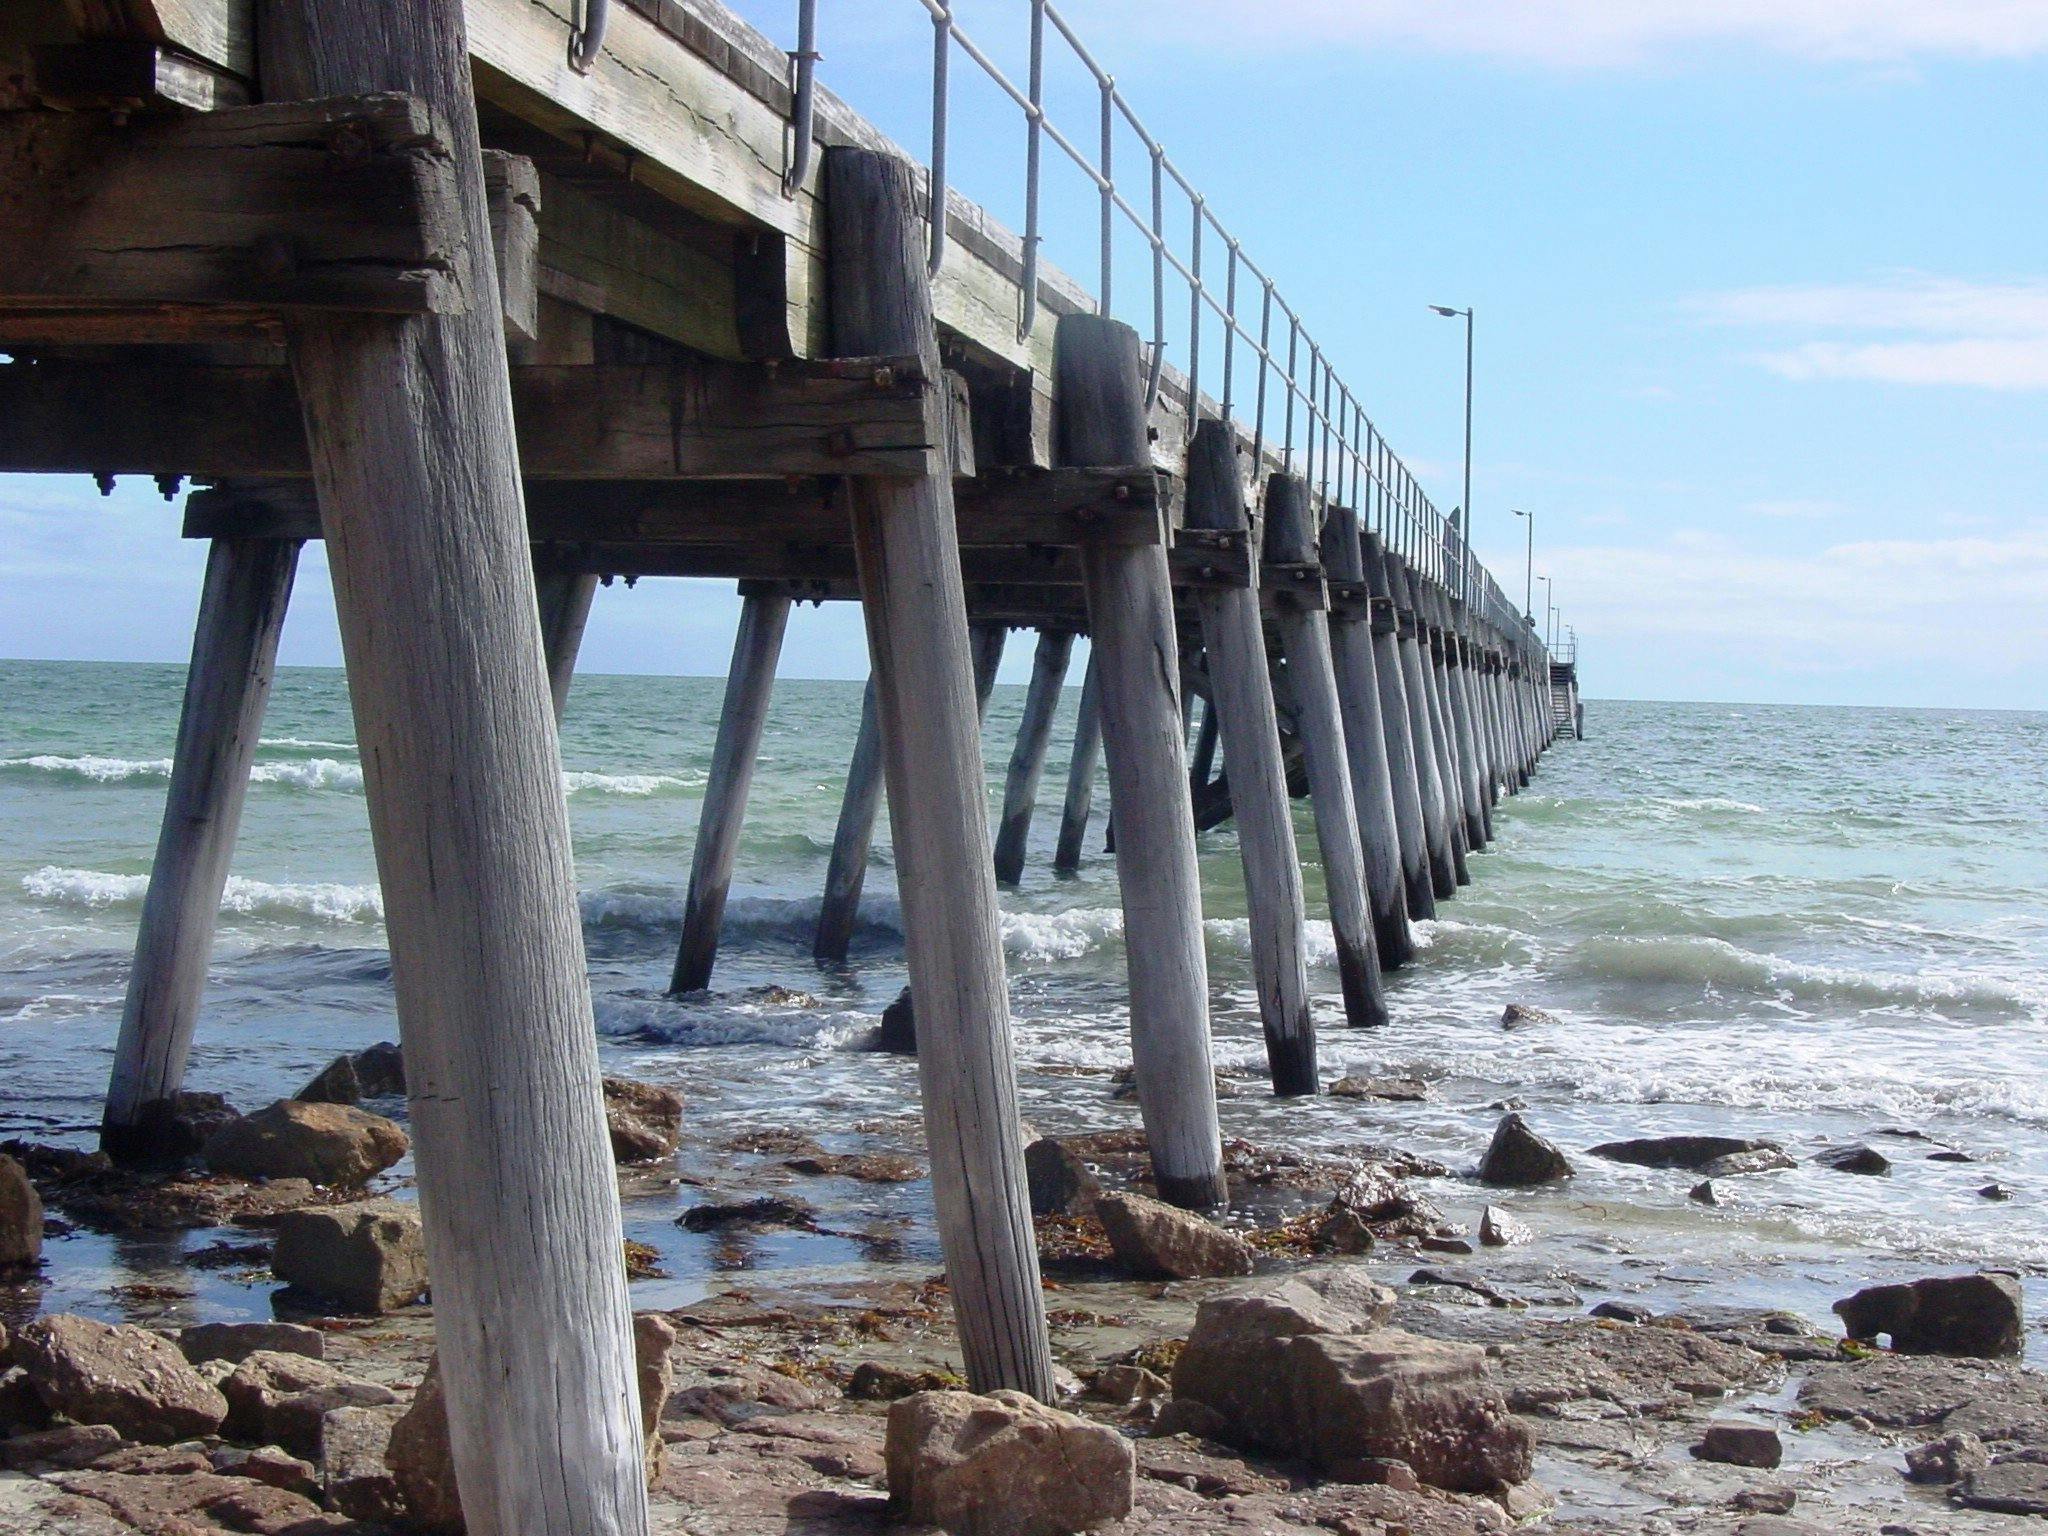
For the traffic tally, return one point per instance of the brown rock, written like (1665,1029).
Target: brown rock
(325,1143)
(1980,1316)
(353,1476)
(742,1393)
(878,1381)
(1763,1158)
(21,1217)
(653,1337)
(1301,1366)
(21,1410)
(1061,1181)
(1691,1153)
(1741,1445)
(268,1464)
(236,1342)
(171,1128)
(1518,1157)
(1856,1159)
(1343,1230)
(1152,1238)
(335,1083)
(67,1447)
(898,1034)
(1403,1090)
(1004,1465)
(1521,1015)
(1497,1229)
(645,1120)
(2012,1485)
(367,1257)
(422,1462)
(282,1399)
(130,1378)
(1947,1460)
(1127,1384)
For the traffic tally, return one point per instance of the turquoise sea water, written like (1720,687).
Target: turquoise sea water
(1818,925)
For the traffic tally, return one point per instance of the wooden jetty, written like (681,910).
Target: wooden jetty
(507,299)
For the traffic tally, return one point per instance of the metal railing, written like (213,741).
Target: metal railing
(1322,432)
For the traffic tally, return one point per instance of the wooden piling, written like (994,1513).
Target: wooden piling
(847,870)
(1304,635)
(1027,759)
(409,423)
(1359,699)
(907,549)
(234,661)
(1080,798)
(1471,777)
(756,647)
(1102,421)
(1428,766)
(1202,766)
(565,599)
(1404,766)
(1241,692)
(1431,641)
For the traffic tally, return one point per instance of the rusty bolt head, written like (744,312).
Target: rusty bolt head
(1121,492)
(885,378)
(350,143)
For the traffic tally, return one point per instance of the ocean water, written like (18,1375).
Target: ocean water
(1816,925)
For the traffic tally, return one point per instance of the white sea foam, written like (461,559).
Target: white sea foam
(325,901)
(311,773)
(581,781)
(1060,935)
(92,768)
(1716,963)
(309,744)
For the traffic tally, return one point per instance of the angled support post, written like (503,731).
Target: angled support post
(409,426)
(565,599)
(1241,692)
(1360,697)
(1080,797)
(907,548)
(1429,778)
(1101,420)
(756,647)
(234,661)
(1404,765)
(1027,760)
(1304,634)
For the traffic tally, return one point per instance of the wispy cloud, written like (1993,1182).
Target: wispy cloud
(1853,606)
(1606,33)
(1910,329)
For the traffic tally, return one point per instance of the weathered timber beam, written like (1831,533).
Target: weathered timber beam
(690,419)
(341,204)
(126,74)
(1047,508)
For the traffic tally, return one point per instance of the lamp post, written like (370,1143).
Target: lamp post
(1529,568)
(1547,611)
(1452,314)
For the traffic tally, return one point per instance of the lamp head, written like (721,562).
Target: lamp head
(1446,311)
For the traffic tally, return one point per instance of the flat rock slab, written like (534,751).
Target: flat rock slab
(2011,1485)
(367,1257)
(116,1374)
(1154,1239)
(1642,1369)
(1691,1153)
(1979,1315)
(1993,1401)
(330,1144)
(1004,1465)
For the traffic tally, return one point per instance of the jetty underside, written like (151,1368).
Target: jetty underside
(502,330)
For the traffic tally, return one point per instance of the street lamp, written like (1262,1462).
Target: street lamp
(1529,568)
(1547,611)
(1452,314)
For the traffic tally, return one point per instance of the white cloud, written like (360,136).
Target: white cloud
(1601,33)
(1855,606)
(1910,329)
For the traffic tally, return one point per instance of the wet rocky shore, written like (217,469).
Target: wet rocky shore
(1366,1343)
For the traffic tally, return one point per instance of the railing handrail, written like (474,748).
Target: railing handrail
(1324,432)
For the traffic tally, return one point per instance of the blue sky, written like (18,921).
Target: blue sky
(1762,319)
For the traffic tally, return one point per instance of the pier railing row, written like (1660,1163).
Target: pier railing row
(1304,418)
